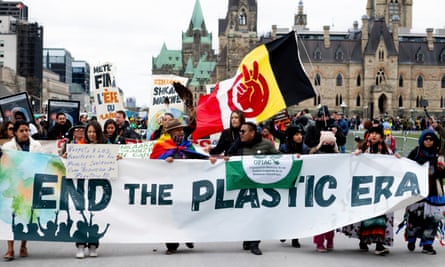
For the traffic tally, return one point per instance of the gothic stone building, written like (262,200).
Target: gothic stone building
(378,69)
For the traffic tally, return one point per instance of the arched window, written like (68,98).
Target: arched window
(381,55)
(317,54)
(442,56)
(417,102)
(400,80)
(420,56)
(317,80)
(419,81)
(339,80)
(441,102)
(357,101)
(442,82)
(339,55)
(336,100)
(359,80)
(242,17)
(380,77)
(400,101)
(315,100)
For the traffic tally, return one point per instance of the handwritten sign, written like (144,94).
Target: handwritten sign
(91,161)
(136,151)
(106,93)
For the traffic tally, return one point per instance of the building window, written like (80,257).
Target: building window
(420,56)
(420,81)
(359,80)
(337,100)
(400,101)
(442,56)
(317,80)
(339,80)
(242,17)
(417,102)
(357,101)
(381,55)
(400,81)
(339,55)
(442,82)
(317,54)
(441,102)
(380,78)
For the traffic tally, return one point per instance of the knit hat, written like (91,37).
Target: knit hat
(292,130)
(174,124)
(323,111)
(327,137)
(376,129)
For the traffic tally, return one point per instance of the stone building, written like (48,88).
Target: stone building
(380,68)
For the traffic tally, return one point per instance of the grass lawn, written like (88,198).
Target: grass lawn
(404,143)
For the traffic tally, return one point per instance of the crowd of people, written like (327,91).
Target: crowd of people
(304,134)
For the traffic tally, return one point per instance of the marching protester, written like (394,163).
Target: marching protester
(327,145)
(164,120)
(342,124)
(75,136)
(111,133)
(422,218)
(294,144)
(124,128)
(379,229)
(7,130)
(171,146)
(251,143)
(22,141)
(60,128)
(33,130)
(228,136)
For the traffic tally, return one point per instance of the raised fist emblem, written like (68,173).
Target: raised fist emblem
(249,92)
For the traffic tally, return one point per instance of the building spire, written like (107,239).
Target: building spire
(197,21)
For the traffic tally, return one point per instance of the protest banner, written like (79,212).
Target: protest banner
(186,201)
(164,99)
(9,105)
(70,108)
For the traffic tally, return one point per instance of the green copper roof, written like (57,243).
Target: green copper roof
(203,71)
(197,17)
(168,57)
(189,39)
(189,67)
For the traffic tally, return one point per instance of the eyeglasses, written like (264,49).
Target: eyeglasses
(79,129)
(11,129)
(243,131)
(428,139)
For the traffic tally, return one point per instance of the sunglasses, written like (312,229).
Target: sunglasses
(10,129)
(243,131)
(428,139)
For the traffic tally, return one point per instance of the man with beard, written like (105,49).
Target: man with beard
(60,128)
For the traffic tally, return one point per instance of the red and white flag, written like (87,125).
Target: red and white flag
(269,79)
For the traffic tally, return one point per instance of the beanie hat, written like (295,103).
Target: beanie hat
(376,129)
(323,111)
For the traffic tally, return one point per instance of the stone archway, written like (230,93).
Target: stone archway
(383,104)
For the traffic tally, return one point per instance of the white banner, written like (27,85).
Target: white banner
(156,201)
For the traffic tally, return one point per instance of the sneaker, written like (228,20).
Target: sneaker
(256,250)
(381,250)
(282,240)
(92,251)
(321,249)
(429,250)
(80,252)
(190,245)
(296,243)
(411,246)
(363,246)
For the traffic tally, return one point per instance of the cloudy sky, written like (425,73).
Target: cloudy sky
(130,33)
